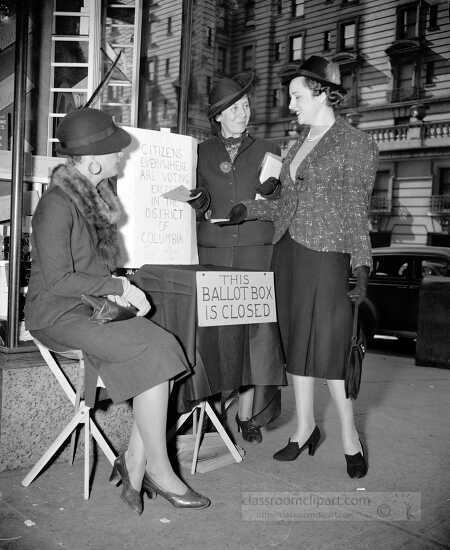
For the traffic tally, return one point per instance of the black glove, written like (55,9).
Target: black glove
(269,188)
(359,292)
(237,215)
(201,202)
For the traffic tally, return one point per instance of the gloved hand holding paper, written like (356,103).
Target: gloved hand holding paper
(180,193)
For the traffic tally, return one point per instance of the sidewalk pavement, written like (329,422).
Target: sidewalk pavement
(402,414)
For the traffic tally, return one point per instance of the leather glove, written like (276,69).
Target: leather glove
(201,202)
(135,297)
(270,188)
(359,292)
(237,215)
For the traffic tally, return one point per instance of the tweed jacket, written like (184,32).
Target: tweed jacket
(65,263)
(228,183)
(325,207)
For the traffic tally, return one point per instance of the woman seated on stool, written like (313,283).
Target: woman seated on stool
(74,250)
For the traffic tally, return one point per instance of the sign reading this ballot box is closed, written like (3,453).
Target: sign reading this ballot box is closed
(235,298)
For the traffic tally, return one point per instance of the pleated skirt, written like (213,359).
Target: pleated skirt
(314,311)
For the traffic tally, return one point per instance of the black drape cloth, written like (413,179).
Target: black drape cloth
(218,354)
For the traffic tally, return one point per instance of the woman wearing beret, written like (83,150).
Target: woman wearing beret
(321,233)
(74,252)
(228,172)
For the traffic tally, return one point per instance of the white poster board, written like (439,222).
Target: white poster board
(157,230)
(235,298)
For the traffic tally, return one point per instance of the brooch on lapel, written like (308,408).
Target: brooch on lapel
(225,167)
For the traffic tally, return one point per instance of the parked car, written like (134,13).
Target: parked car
(395,281)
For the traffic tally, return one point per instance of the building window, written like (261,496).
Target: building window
(221,60)
(277,51)
(405,82)
(381,194)
(247,58)
(347,36)
(296,48)
(429,73)
(222,16)
(151,67)
(349,81)
(279,6)
(165,108)
(250,12)
(327,41)
(276,97)
(209,36)
(444,181)
(169,25)
(433,18)
(407,21)
(298,8)
(208,84)
(167,72)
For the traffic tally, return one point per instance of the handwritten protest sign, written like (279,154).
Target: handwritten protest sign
(235,298)
(157,230)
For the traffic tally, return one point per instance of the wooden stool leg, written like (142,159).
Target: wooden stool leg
(74,436)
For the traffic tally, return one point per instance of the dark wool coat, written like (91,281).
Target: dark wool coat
(230,183)
(246,246)
(73,249)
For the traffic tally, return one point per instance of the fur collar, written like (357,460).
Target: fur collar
(99,206)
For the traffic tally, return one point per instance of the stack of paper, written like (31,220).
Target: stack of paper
(270,167)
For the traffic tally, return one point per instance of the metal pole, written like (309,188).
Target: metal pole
(185,66)
(20,73)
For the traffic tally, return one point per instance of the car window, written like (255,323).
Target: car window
(439,267)
(397,267)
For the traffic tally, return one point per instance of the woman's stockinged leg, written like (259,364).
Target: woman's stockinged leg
(350,437)
(150,413)
(304,405)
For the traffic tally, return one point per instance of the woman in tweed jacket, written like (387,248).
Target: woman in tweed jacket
(321,232)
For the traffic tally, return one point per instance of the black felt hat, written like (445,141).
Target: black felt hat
(316,67)
(227,91)
(90,132)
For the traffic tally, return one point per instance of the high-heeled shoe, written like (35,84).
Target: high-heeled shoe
(189,499)
(293,449)
(250,432)
(356,464)
(129,494)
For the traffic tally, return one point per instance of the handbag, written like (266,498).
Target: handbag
(107,311)
(354,361)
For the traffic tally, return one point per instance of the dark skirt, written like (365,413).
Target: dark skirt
(314,311)
(130,356)
(257,350)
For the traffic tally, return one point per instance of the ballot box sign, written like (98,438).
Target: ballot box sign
(235,298)
(155,229)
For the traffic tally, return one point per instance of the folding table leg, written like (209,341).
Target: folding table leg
(198,436)
(87,441)
(222,432)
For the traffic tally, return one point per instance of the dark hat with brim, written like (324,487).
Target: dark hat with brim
(316,67)
(90,132)
(227,91)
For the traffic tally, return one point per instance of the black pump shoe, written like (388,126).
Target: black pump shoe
(293,449)
(190,499)
(129,494)
(250,432)
(356,464)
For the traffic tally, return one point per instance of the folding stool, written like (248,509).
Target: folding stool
(82,415)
